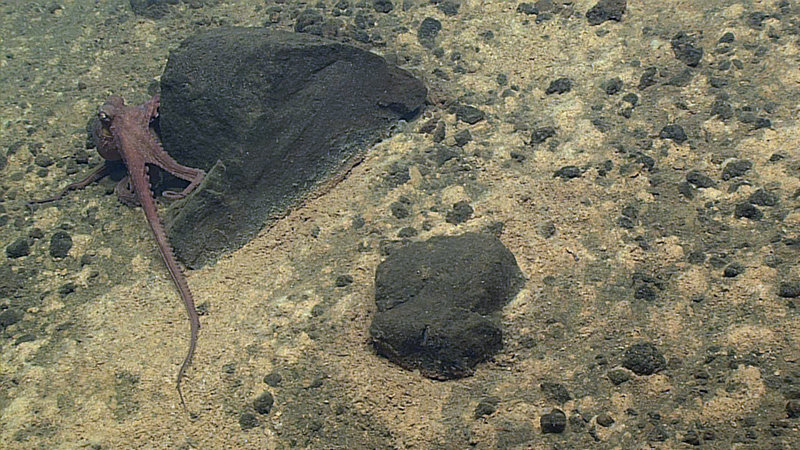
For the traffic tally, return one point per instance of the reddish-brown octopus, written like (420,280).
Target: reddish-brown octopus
(122,132)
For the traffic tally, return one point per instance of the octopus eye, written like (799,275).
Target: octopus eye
(104,117)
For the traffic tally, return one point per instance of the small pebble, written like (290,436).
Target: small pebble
(263,403)
(554,422)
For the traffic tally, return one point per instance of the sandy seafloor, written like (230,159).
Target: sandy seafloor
(628,252)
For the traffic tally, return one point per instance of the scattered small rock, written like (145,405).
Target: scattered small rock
(736,168)
(554,421)
(606,10)
(273,379)
(748,211)
(263,403)
(248,421)
(733,270)
(469,114)
(685,50)
(644,359)
(542,134)
(427,32)
(763,197)
(18,248)
(463,138)
(789,289)
(793,408)
(555,392)
(559,86)
(674,132)
(605,420)
(382,6)
(344,280)
(460,213)
(618,376)
(699,179)
(60,244)
(9,317)
(486,407)
(568,172)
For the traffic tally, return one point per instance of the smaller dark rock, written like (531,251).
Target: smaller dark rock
(648,78)
(469,114)
(449,7)
(722,109)
(542,134)
(645,292)
(762,122)
(568,172)
(748,211)
(399,210)
(793,409)
(60,244)
(9,317)
(67,288)
(618,376)
(248,420)
(555,392)
(527,8)
(736,169)
(547,229)
(643,359)
(699,179)
(789,289)
(407,232)
(436,303)
(631,98)
(612,86)
(43,160)
(606,10)
(24,338)
(308,21)
(463,138)
(692,438)
(263,403)
(674,132)
(733,270)
(554,422)
(697,257)
(427,32)
(756,20)
(18,248)
(763,197)
(486,407)
(605,420)
(559,86)
(685,50)
(344,280)
(152,9)
(727,38)
(383,6)
(460,213)
(273,379)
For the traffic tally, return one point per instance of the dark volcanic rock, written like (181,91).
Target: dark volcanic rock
(644,359)
(271,115)
(436,303)
(606,10)
(60,244)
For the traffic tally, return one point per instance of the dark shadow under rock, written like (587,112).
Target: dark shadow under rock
(282,113)
(438,303)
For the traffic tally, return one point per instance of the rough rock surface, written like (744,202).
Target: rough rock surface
(271,115)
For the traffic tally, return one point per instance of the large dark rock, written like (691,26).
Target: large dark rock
(272,115)
(438,301)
